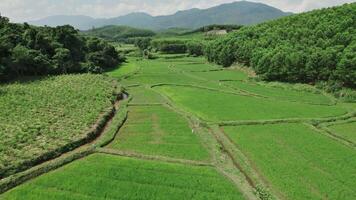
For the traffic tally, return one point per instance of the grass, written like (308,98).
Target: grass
(157,130)
(297,161)
(45,115)
(281,93)
(219,106)
(345,130)
(102,176)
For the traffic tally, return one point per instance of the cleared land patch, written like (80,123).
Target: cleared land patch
(157,130)
(219,106)
(298,161)
(280,93)
(102,176)
(47,115)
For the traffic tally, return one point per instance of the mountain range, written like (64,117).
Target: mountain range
(240,12)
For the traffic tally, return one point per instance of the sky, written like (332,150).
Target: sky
(27,10)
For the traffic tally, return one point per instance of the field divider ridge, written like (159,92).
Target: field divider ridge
(151,157)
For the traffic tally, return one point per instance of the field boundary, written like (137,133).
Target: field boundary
(151,157)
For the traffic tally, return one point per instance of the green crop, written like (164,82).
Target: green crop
(45,115)
(156,130)
(298,161)
(111,177)
(220,106)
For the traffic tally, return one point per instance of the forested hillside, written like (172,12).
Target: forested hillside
(119,33)
(310,47)
(29,50)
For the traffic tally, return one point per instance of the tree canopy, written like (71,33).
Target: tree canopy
(30,50)
(310,47)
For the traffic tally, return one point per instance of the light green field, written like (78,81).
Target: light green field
(280,93)
(157,130)
(125,69)
(222,75)
(47,114)
(219,106)
(195,67)
(345,130)
(142,95)
(111,177)
(298,162)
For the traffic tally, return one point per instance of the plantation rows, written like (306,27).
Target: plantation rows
(59,117)
(283,141)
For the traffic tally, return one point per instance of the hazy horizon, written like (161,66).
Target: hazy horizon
(21,10)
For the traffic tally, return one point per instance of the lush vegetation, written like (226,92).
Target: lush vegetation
(227,27)
(156,130)
(212,105)
(29,50)
(345,130)
(299,162)
(123,34)
(110,177)
(310,47)
(282,92)
(46,115)
(169,46)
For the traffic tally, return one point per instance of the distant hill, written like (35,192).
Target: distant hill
(119,33)
(241,13)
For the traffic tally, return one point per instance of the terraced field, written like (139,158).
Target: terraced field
(156,130)
(195,131)
(220,106)
(298,161)
(345,130)
(112,177)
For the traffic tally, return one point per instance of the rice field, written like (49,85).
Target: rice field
(297,161)
(168,97)
(281,93)
(346,130)
(159,131)
(143,95)
(102,176)
(220,106)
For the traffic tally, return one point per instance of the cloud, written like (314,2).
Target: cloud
(25,10)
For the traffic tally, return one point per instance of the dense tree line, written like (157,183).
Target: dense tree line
(29,50)
(123,34)
(227,27)
(317,46)
(191,47)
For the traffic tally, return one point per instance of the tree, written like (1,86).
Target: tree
(62,60)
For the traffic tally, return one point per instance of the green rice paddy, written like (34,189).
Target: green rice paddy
(176,105)
(112,177)
(297,161)
(157,130)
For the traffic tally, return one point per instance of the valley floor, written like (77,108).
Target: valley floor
(197,131)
